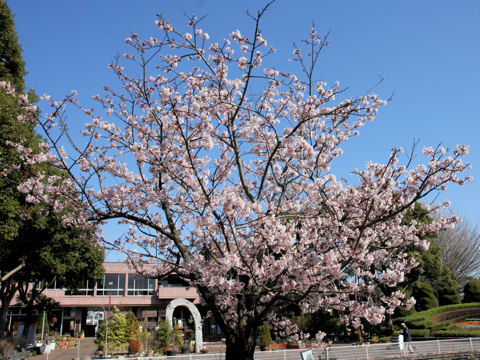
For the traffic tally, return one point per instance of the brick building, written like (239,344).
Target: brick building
(81,310)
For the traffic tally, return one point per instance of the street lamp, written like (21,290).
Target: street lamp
(105,318)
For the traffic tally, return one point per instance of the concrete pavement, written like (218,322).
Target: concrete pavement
(87,349)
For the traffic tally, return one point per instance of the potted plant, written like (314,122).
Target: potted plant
(170,349)
(185,348)
(134,346)
(265,337)
(170,339)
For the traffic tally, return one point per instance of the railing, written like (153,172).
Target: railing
(419,350)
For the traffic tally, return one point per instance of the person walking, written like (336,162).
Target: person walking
(407,339)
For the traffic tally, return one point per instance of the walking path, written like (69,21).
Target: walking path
(465,348)
(88,349)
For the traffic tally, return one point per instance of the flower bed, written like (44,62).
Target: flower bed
(468,324)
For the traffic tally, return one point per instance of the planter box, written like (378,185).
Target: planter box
(278,346)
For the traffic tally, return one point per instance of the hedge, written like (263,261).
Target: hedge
(420,332)
(458,332)
(428,314)
(419,323)
(422,320)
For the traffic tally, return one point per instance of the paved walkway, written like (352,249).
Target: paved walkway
(87,349)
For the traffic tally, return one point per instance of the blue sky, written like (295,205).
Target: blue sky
(427,51)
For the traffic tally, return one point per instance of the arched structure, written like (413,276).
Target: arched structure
(197,319)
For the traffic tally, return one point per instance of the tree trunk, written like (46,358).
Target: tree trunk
(29,302)
(6,296)
(30,321)
(3,320)
(241,339)
(389,324)
(240,347)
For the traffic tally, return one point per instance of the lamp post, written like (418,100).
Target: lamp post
(105,318)
(78,349)
(106,335)
(146,343)
(43,325)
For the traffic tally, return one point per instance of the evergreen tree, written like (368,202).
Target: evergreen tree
(471,291)
(431,270)
(163,334)
(35,247)
(448,291)
(322,320)
(133,326)
(423,293)
(12,67)
(113,329)
(401,311)
(265,339)
(12,204)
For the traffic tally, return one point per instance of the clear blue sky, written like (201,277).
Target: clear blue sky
(428,51)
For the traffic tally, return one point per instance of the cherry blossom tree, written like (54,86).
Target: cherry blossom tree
(220,168)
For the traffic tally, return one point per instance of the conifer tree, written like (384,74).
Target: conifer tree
(423,293)
(471,291)
(12,69)
(12,66)
(448,291)
(35,247)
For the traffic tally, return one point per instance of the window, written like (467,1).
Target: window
(140,285)
(85,290)
(113,284)
(172,281)
(53,286)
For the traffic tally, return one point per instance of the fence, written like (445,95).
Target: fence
(419,350)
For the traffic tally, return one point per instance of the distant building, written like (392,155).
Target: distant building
(81,310)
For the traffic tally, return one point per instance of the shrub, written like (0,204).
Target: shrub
(420,332)
(403,312)
(132,326)
(46,326)
(322,320)
(448,292)
(420,323)
(119,330)
(163,334)
(458,332)
(169,339)
(471,291)
(134,346)
(265,337)
(423,319)
(423,293)
(176,336)
(7,345)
